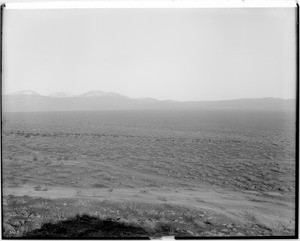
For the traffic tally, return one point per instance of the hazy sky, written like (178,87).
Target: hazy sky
(180,54)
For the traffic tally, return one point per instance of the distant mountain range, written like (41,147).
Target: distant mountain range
(93,93)
(25,92)
(28,100)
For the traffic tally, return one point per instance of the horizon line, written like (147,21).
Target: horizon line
(122,95)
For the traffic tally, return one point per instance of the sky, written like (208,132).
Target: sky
(179,54)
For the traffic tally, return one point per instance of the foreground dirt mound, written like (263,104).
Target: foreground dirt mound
(86,226)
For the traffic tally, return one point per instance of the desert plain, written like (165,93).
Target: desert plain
(148,173)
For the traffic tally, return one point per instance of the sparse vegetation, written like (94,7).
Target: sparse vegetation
(129,170)
(36,217)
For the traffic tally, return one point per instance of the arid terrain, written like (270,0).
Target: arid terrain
(149,173)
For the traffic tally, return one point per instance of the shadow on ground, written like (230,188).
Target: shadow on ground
(86,226)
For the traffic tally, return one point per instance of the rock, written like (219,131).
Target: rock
(8,227)
(122,220)
(231,225)
(6,219)
(240,234)
(206,233)
(33,224)
(22,222)
(21,229)
(199,223)
(16,223)
(24,213)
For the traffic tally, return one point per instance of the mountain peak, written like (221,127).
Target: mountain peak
(99,93)
(60,95)
(25,92)
(93,93)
